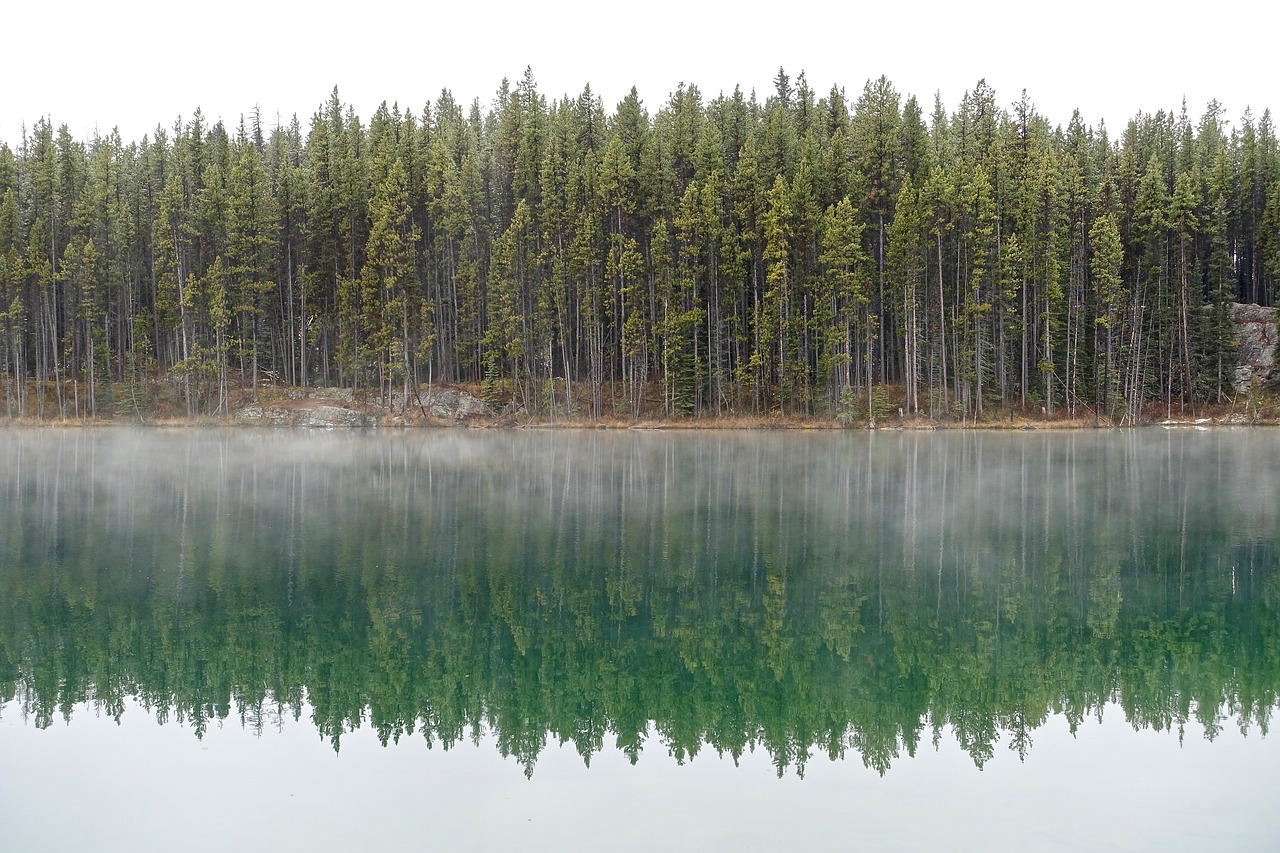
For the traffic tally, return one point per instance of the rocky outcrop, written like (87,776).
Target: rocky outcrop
(454,405)
(449,404)
(341,395)
(338,407)
(311,413)
(1256,341)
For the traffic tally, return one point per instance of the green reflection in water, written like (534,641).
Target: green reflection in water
(839,594)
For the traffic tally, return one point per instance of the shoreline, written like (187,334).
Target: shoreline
(735,424)
(463,407)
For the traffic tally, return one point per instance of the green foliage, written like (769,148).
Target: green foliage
(489,388)
(879,407)
(727,253)
(847,406)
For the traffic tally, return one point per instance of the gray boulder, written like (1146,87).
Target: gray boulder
(454,405)
(1256,339)
(335,416)
(342,395)
(449,405)
(294,415)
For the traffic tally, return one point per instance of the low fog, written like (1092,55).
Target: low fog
(906,496)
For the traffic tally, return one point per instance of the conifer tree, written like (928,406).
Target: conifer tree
(778,254)
(387,292)
(251,243)
(1106,254)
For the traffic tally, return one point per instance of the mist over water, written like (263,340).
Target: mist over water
(848,595)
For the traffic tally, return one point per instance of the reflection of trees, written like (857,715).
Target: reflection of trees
(804,595)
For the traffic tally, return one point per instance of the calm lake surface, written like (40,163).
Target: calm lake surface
(602,640)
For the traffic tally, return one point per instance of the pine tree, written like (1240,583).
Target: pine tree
(776,340)
(906,262)
(778,253)
(844,266)
(388,296)
(1106,255)
(251,243)
(876,119)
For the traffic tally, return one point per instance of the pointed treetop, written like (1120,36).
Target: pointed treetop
(782,85)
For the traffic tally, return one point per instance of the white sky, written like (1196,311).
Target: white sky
(138,63)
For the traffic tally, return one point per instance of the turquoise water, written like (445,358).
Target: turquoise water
(637,639)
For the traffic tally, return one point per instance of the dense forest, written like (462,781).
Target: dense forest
(803,254)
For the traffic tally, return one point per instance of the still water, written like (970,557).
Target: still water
(603,640)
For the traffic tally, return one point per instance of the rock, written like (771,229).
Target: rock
(319,416)
(324,407)
(454,405)
(447,405)
(1256,339)
(342,395)
(249,415)
(336,416)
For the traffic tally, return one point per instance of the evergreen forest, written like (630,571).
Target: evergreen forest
(803,254)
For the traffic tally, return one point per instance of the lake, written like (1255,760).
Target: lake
(639,640)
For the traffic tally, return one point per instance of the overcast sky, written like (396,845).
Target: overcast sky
(135,64)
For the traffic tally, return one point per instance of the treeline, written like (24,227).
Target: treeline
(796,255)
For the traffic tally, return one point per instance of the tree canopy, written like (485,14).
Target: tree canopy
(700,256)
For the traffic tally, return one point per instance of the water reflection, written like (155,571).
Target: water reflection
(839,594)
